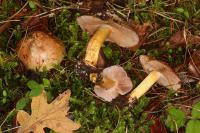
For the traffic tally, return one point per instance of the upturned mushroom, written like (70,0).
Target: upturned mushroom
(39,51)
(158,72)
(114,82)
(105,30)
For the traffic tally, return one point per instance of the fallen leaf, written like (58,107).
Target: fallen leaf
(177,39)
(194,64)
(9,23)
(101,62)
(194,39)
(51,115)
(90,7)
(158,126)
(35,23)
(142,30)
(154,106)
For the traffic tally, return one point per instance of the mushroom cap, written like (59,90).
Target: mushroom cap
(122,83)
(39,51)
(168,77)
(122,35)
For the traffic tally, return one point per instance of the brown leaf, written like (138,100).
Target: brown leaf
(36,23)
(155,105)
(158,126)
(194,64)
(142,30)
(51,115)
(94,5)
(9,23)
(90,7)
(194,39)
(101,62)
(178,39)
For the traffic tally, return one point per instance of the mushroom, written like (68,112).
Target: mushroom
(105,30)
(158,72)
(114,82)
(39,51)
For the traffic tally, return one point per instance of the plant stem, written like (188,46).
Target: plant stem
(94,45)
(9,114)
(144,86)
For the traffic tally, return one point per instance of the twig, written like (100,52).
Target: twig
(8,22)
(7,117)
(11,129)
(165,16)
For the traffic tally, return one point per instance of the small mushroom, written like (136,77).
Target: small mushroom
(114,82)
(39,51)
(158,72)
(105,30)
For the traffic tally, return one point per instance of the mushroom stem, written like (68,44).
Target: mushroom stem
(144,86)
(107,83)
(94,45)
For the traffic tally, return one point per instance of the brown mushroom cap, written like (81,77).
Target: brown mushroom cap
(168,78)
(122,35)
(39,51)
(121,83)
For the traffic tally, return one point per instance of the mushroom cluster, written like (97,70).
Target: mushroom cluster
(39,50)
(114,79)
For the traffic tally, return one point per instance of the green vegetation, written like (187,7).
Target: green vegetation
(193,124)
(18,85)
(176,118)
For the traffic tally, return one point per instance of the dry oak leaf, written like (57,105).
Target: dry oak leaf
(51,115)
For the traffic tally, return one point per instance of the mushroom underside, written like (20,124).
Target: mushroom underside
(115,82)
(123,35)
(168,77)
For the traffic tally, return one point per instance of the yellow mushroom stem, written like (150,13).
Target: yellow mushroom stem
(107,83)
(93,77)
(144,86)
(94,45)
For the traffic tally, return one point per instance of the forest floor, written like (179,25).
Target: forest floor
(169,31)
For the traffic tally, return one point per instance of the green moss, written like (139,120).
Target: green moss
(94,115)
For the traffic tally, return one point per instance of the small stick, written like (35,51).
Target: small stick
(8,23)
